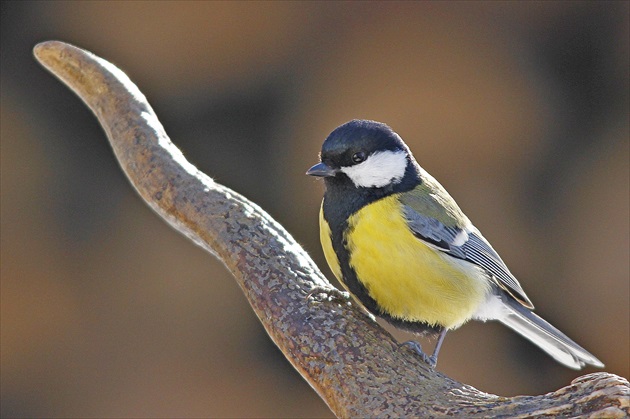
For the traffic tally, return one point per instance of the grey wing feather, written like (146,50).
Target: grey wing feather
(430,229)
(466,244)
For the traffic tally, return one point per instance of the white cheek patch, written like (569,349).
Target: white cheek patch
(378,170)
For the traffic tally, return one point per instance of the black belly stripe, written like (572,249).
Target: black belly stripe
(337,217)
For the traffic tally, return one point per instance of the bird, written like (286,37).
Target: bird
(402,247)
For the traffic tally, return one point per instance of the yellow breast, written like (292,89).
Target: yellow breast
(408,279)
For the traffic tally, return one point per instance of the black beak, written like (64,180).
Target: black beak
(321,170)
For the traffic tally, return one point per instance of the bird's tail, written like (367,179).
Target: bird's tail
(536,329)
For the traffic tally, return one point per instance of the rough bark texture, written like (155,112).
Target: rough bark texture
(353,364)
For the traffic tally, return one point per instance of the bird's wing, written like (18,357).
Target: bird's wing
(468,244)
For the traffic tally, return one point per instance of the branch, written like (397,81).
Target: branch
(350,361)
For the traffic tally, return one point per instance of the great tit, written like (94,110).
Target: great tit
(403,248)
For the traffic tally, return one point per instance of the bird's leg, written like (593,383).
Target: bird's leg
(438,345)
(431,360)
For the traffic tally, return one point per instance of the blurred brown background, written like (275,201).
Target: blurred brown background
(519,109)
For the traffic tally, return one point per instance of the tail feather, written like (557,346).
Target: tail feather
(536,329)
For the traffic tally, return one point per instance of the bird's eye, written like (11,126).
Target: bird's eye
(358,157)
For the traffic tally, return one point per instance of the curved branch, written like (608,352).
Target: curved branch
(350,361)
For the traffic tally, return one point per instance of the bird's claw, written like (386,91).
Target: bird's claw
(321,294)
(415,346)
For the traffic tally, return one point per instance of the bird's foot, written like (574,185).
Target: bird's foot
(415,346)
(321,294)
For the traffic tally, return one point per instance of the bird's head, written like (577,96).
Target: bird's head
(367,154)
